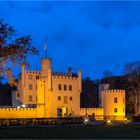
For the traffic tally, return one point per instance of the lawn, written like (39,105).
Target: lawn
(94,131)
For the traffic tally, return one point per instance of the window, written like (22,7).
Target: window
(70,87)
(59,98)
(115,100)
(65,87)
(65,99)
(115,110)
(30,77)
(70,98)
(36,86)
(30,98)
(123,100)
(30,87)
(17,94)
(37,77)
(59,87)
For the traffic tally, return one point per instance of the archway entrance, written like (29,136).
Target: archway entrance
(62,111)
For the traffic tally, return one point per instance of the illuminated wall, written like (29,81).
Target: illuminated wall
(58,94)
(98,112)
(114,103)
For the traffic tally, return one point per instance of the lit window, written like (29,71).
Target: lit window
(65,99)
(30,77)
(59,98)
(115,110)
(30,98)
(70,98)
(70,87)
(30,87)
(65,87)
(59,87)
(115,100)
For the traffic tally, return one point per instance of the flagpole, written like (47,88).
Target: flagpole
(46,46)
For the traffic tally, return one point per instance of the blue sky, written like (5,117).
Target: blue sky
(92,36)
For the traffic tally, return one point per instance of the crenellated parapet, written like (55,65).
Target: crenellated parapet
(32,72)
(114,91)
(98,112)
(17,109)
(61,77)
(91,109)
(18,112)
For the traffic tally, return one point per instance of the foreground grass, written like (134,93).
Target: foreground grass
(100,131)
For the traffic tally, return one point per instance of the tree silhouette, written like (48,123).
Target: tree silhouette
(13,49)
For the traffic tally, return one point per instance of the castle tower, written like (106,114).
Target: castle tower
(80,81)
(114,104)
(102,87)
(45,66)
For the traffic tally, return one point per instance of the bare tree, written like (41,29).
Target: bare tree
(132,72)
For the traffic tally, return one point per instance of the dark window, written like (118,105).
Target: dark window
(17,94)
(30,98)
(115,110)
(59,98)
(70,87)
(115,100)
(30,87)
(59,87)
(65,87)
(37,77)
(70,98)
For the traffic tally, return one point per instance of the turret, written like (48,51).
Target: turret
(70,71)
(102,87)
(80,81)
(45,65)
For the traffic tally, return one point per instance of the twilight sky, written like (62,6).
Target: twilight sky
(91,36)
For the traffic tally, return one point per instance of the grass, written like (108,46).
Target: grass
(65,132)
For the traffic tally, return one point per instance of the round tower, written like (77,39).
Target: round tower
(45,66)
(114,104)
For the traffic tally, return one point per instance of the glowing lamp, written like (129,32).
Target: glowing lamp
(23,106)
(18,107)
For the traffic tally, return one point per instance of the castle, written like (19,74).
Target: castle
(45,94)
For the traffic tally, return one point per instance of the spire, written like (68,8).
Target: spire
(46,47)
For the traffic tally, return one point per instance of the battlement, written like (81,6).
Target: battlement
(45,59)
(17,109)
(114,91)
(91,109)
(18,112)
(63,76)
(32,72)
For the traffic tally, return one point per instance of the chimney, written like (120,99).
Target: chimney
(70,71)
